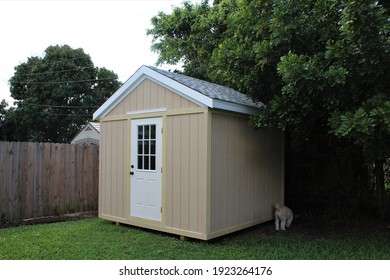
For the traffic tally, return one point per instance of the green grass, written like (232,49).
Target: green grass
(95,239)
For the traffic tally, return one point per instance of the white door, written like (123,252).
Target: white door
(145,169)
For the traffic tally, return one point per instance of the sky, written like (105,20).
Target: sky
(113,33)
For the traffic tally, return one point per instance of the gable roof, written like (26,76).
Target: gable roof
(96,126)
(203,93)
(90,126)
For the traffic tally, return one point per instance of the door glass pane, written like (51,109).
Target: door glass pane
(146,147)
(146,132)
(152,163)
(153,131)
(139,151)
(153,147)
(139,164)
(146,162)
(140,131)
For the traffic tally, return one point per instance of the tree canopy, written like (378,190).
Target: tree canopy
(55,95)
(322,67)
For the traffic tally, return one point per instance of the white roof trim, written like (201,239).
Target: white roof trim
(145,72)
(234,107)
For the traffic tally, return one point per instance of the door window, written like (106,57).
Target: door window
(146,151)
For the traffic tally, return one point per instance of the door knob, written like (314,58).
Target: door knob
(131,173)
(132,166)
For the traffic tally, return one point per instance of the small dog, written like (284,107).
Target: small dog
(284,215)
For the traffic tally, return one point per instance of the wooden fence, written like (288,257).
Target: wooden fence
(45,179)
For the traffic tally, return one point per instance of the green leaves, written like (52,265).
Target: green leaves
(353,122)
(56,94)
(368,126)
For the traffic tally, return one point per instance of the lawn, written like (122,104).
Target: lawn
(96,239)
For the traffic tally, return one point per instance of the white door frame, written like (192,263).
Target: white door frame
(146,168)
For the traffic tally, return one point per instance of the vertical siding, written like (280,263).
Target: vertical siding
(113,163)
(149,95)
(247,172)
(186,169)
(114,158)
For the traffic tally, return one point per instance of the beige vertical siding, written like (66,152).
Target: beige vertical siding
(186,172)
(247,172)
(149,95)
(113,166)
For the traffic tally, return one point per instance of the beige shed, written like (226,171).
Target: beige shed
(177,155)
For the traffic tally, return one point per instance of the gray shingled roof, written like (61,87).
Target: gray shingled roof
(211,90)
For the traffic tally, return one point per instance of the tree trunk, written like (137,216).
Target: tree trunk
(380,185)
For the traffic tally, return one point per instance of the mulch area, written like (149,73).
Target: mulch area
(50,219)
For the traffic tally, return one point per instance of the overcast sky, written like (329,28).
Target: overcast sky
(113,33)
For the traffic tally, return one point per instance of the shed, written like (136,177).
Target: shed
(177,155)
(90,133)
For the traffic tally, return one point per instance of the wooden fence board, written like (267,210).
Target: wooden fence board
(39,171)
(41,179)
(13,189)
(46,178)
(95,176)
(3,181)
(30,182)
(68,169)
(73,179)
(62,179)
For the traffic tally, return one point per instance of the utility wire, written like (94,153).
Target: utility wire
(60,106)
(59,71)
(64,82)
(68,115)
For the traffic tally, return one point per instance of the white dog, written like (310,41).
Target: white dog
(284,215)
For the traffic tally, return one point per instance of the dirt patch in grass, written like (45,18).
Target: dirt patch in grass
(50,219)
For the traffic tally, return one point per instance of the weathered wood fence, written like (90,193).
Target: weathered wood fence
(45,179)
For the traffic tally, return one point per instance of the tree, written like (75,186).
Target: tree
(3,111)
(322,68)
(56,94)
(189,35)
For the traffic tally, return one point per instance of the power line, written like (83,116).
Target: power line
(59,71)
(60,106)
(69,115)
(64,82)
(63,106)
